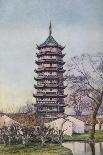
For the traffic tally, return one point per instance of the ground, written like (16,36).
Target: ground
(36,149)
(84,137)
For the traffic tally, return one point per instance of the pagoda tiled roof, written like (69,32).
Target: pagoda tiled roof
(50,42)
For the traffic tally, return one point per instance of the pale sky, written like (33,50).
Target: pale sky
(78,24)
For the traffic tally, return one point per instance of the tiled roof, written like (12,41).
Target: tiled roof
(27,119)
(50,42)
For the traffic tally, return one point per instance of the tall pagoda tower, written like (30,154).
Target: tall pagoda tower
(50,81)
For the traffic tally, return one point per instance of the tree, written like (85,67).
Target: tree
(27,108)
(78,102)
(85,74)
(45,133)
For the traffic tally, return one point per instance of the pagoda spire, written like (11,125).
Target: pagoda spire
(50,29)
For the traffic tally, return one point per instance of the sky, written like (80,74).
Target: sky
(78,24)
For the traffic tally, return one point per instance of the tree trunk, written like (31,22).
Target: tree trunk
(92,146)
(100,125)
(93,122)
(42,141)
(61,138)
(78,113)
(92,133)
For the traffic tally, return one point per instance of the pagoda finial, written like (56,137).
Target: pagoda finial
(50,29)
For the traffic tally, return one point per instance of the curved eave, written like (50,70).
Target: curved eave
(50,105)
(49,53)
(62,87)
(49,70)
(48,78)
(38,79)
(49,62)
(48,46)
(37,86)
(50,112)
(48,96)
(53,86)
(62,71)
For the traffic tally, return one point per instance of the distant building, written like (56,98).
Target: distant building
(61,124)
(69,125)
(78,126)
(7,121)
(50,81)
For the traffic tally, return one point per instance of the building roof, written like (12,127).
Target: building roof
(27,119)
(24,119)
(7,121)
(50,42)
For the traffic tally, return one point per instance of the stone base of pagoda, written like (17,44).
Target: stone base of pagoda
(49,113)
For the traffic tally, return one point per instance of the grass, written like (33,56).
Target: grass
(99,136)
(36,149)
(76,137)
(84,137)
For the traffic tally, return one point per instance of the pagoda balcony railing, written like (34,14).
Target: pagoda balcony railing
(48,110)
(53,67)
(49,94)
(50,53)
(42,77)
(50,105)
(47,84)
(49,102)
(55,85)
(46,61)
(46,77)
(58,69)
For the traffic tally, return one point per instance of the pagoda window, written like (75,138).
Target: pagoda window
(50,108)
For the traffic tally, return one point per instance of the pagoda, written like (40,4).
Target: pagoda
(50,81)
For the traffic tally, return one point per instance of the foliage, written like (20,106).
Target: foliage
(24,135)
(27,108)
